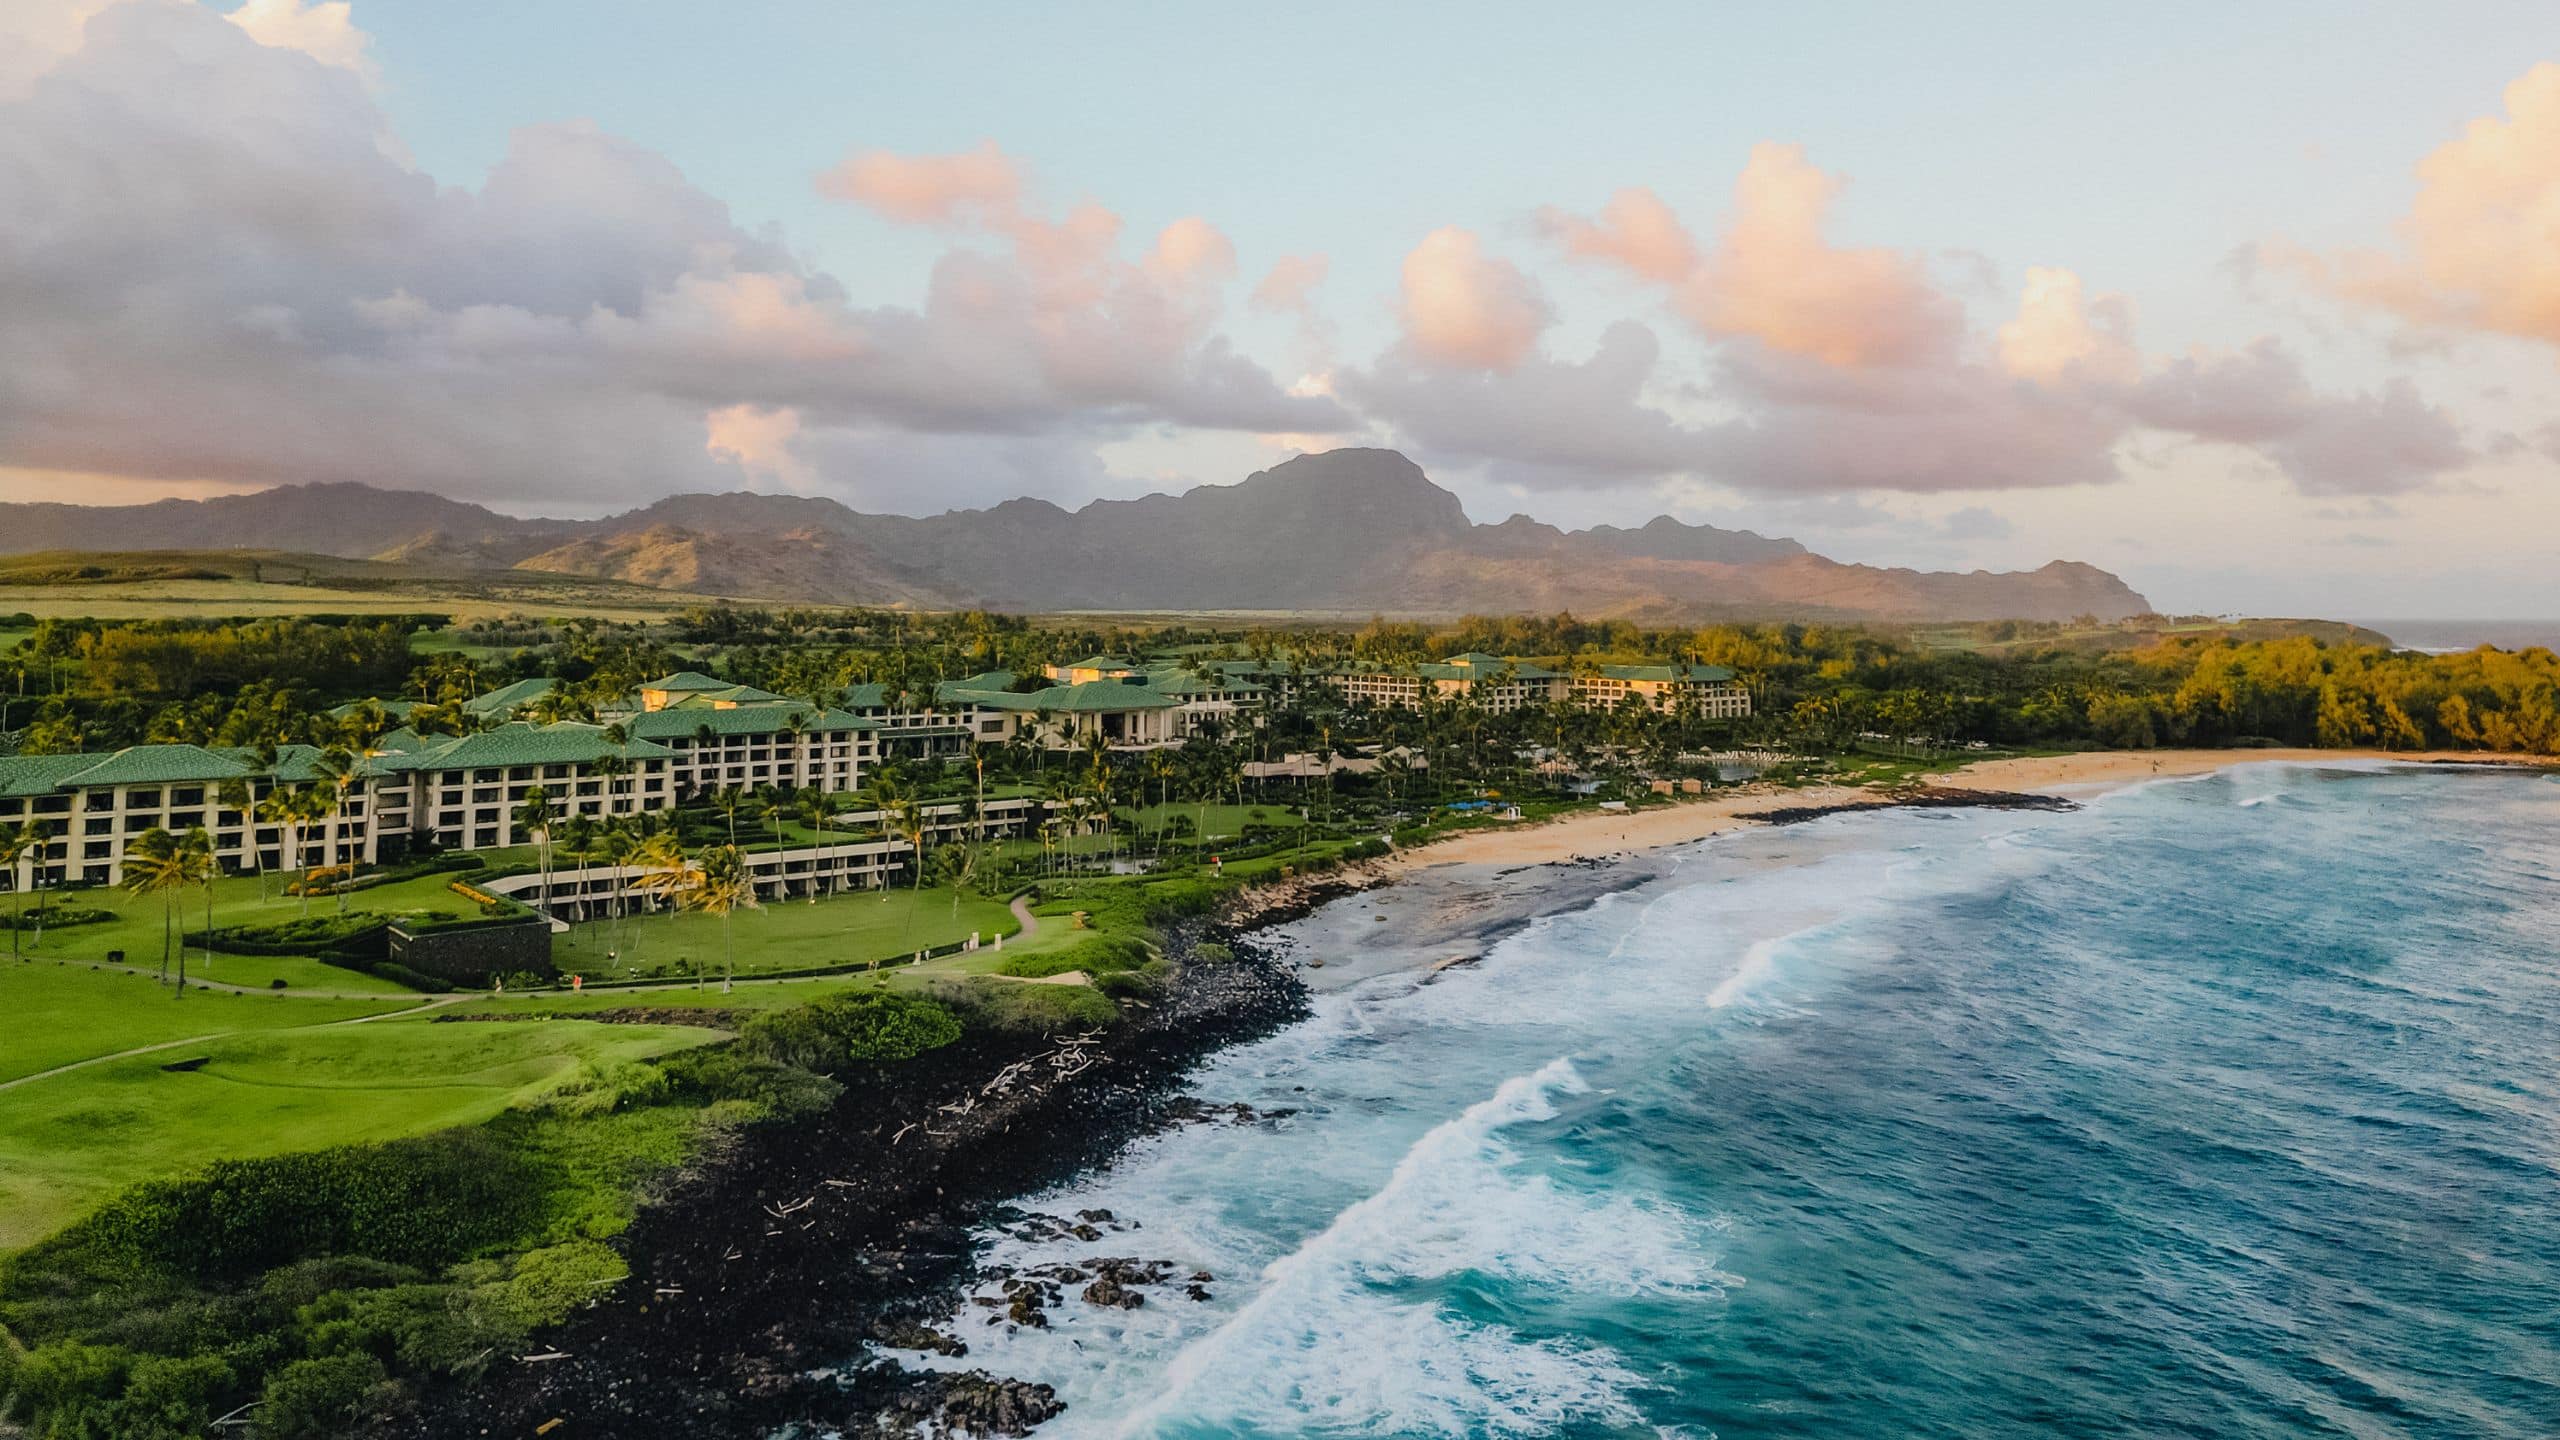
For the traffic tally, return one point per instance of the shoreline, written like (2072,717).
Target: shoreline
(735,1323)
(1589,835)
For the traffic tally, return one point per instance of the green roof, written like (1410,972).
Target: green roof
(874,696)
(1475,664)
(507,699)
(160,765)
(729,695)
(680,723)
(1700,674)
(1099,662)
(24,775)
(687,680)
(569,742)
(1174,680)
(1091,697)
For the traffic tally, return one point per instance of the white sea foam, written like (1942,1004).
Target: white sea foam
(1413,1252)
(1343,1332)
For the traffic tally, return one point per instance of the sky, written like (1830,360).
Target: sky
(2257,306)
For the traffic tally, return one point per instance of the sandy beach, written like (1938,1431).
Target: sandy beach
(1591,835)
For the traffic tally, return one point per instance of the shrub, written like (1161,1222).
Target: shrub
(426,1201)
(1004,1007)
(865,1027)
(731,1072)
(1369,849)
(600,1089)
(318,1399)
(304,935)
(55,917)
(1100,955)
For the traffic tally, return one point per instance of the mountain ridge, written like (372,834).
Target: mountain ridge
(1341,531)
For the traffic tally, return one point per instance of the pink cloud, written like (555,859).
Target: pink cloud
(2480,246)
(981,186)
(1290,285)
(2061,334)
(1465,309)
(1635,229)
(1772,275)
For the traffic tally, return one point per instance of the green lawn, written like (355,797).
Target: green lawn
(70,1140)
(58,1014)
(136,929)
(851,929)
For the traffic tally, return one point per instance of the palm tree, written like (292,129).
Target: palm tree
(199,865)
(579,833)
(619,845)
(666,872)
(306,805)
(239,797)
(814,813)
(729,800)
(152,866)
(337,769)
(20,847)
(533,817)
(275,808)
(720,886)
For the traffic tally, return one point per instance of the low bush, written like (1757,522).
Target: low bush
(1100,955)
(55,917)
(303,935)
(426,1201)
(1009,1008)
(318,1399)
(733,1073)
(865,1027)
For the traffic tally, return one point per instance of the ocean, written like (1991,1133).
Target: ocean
(2226,1107)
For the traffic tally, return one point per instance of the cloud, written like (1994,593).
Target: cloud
(236,280)
(2381,442)
(325,30)
(1635,229)
(1772,275)
(758,441)
(1544,423)
(2060,335)
(1976,522)
(2477,248)
(980,186)
(1289,286)
(1467,310)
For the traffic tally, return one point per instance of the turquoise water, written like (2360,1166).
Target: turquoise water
(2220,1108)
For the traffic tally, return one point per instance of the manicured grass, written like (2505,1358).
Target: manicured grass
(73,1139)
(851,929)
(136,929)
(58,1014)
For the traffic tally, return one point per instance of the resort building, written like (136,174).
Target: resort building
(1491,682)
(934,731)
(464,792)
(1706,691)
(94,806)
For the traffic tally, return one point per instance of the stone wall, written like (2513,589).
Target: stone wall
(470,955)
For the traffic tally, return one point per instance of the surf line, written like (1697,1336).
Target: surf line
(1522,1097)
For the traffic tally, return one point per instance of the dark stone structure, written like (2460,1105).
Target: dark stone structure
(471,954)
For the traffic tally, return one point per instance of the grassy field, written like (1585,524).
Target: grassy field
(59,1014)
(223,584)
(71,1139)
(849,929)
(237,903)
